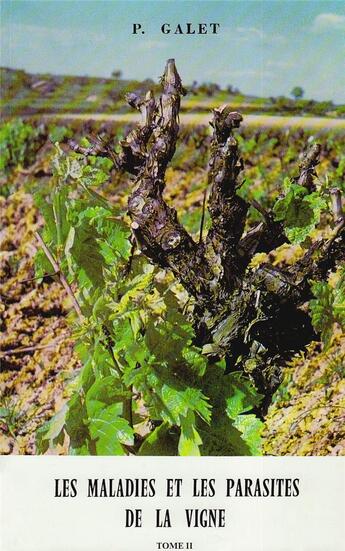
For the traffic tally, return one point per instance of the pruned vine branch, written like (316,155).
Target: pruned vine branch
(155,224)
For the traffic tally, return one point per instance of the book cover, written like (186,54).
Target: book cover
(172,275)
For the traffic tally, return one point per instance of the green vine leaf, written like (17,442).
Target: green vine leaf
(110,431)
(250,427)
(190,441)
(299,211)
(162,441)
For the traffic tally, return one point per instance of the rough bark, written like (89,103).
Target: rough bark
(227,210)
(156,227)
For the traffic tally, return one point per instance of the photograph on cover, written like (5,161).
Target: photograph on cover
(172,240)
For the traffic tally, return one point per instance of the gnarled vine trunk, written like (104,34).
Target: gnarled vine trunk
(253,317)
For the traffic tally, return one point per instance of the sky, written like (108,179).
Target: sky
(263,47)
